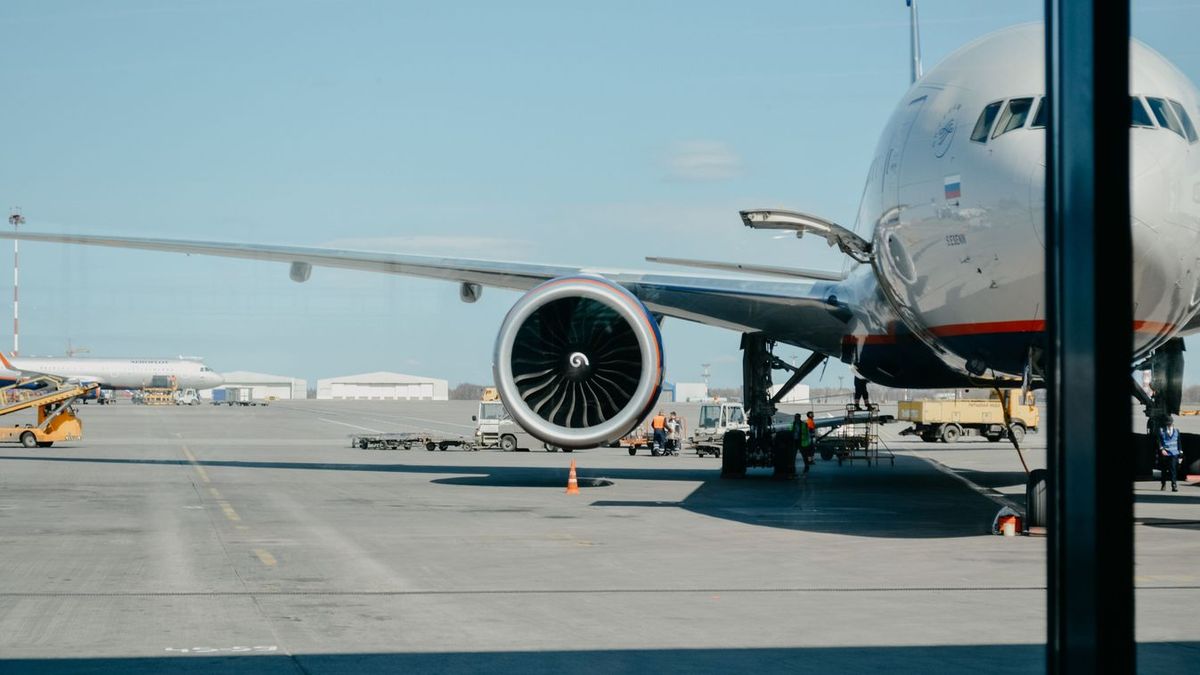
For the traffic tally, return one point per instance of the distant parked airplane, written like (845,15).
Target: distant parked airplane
(113,373)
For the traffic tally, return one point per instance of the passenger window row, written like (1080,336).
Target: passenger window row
(1148,112)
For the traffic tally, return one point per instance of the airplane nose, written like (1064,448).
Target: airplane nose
(1166,238)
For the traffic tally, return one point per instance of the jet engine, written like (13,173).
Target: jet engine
(578,361)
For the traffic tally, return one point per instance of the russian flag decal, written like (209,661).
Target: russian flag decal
(953,187)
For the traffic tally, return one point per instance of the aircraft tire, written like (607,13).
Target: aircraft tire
(733,454)
(29,440)
(1036,513)
(783,450)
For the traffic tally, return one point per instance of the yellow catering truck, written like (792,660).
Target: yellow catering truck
(947,421)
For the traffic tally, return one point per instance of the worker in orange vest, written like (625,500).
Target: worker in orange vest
(659,426)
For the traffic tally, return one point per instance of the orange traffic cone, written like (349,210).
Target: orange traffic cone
(572,481)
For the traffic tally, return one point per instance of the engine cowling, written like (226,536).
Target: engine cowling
(578,361)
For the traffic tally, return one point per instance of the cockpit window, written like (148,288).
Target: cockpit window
(1014,116)
(1189,129)
(1165,116)
(1141,118)
(1039,118)
(984,124)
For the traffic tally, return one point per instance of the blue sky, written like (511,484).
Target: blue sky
(549,132)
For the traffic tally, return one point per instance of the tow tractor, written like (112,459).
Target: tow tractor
(716,419)
(56,420)
(495,428)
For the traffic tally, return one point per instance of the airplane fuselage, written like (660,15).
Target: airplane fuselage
(954,206)
(119,373)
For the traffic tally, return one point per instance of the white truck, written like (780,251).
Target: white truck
(187,397)
(494,428)
(715,419)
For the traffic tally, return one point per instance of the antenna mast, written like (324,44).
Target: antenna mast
(16,220)
(914,37)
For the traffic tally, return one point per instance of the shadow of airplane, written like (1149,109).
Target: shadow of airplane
(906,500)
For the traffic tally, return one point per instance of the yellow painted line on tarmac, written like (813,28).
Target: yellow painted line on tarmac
(196,465)
(213,491)
(265,557)
(227,508)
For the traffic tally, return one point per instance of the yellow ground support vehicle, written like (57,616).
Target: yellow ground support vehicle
(947,421)
(56,420)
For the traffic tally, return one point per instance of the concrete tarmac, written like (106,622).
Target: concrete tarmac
(255,540)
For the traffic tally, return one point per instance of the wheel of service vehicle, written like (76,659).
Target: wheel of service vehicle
(508,442)
(29,440)
(632,450)
(45,444)
(431,446)
(443,445)
(362,443)
(1017,431)
(654,452)
(733,455)
(949,432)
(993,437)
(1036,514)
(826,453)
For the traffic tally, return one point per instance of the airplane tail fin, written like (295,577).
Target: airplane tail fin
(4,360)
(914,39)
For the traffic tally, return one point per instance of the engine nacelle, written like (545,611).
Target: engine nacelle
(578,361)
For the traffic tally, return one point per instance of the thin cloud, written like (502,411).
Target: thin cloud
(701,160)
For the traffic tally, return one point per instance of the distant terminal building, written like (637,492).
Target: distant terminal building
(383,386)
(264,385)
(798,394)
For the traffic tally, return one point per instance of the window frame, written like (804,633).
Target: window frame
(1185,120)
(992,123)
(996,132)
(1146,109)
(1169,113)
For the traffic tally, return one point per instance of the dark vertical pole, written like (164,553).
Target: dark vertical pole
(1089,324)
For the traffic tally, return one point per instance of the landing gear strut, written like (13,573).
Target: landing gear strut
(759,446)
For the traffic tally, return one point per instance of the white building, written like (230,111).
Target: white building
(383,386)
(264,385)
(689,392)
(798,394)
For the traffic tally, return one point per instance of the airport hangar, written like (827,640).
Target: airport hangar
(263,385)
(383,386)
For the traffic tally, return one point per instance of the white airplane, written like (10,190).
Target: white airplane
(113,373)
(944,288)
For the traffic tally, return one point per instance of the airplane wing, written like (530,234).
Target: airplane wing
(796,311)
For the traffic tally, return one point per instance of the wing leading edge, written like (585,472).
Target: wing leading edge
(793,311)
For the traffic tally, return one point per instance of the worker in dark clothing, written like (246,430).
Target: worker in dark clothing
(1169,454)
(861,393)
